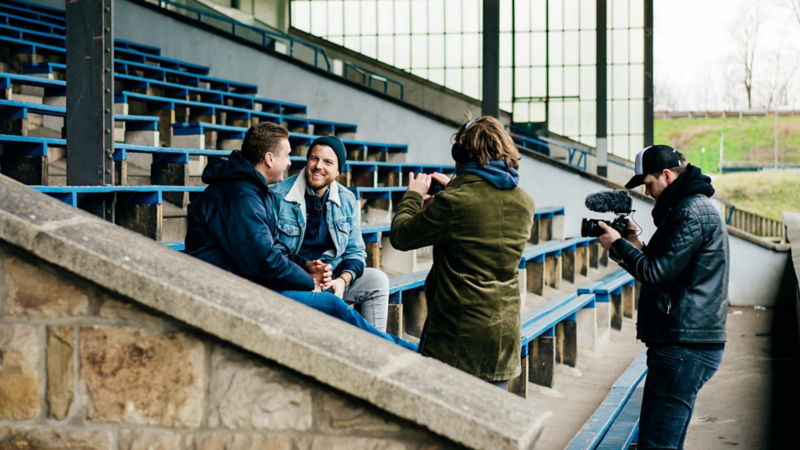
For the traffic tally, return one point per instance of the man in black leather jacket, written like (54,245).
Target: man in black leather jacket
(683,303)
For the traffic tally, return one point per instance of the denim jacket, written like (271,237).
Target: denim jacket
(342,219)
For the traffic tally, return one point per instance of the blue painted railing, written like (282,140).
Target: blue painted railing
(265,34)
(367,76)
(578,157)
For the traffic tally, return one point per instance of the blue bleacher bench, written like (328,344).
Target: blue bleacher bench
(163,154)
(40,16)
(52,88)
(20,110)
(33,36)
(227,132)
(622,301)
(549,335)
(180,91)
(371,233)
(146,195)
(615,291)
(216,84)
(543,264)
(153,72)
(350,144)
(36,8)
(596,428)
(548,212)
(545,226)
(591,287)
(404,283)
(31,47)
(542,319)
(625,428)
(136,56)
(9,18)
(556,248)
(210,109)
(174,245)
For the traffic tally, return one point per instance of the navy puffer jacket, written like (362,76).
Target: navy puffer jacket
(233,223)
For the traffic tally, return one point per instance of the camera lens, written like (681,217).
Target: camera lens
(589,228)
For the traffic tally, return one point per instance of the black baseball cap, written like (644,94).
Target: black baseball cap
(653,159)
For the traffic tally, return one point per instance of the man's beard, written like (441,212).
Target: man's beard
(318,184)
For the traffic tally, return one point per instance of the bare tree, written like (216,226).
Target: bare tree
(744,32)
(783,70)
(731,97)
(707,93)
(794,5)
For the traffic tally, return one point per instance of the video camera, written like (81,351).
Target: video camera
(618,202)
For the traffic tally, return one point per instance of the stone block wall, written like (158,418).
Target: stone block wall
(81,367)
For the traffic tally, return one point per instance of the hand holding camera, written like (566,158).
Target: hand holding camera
(606,232)
(419,183)
(427,185)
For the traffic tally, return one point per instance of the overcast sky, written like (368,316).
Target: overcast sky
(692,43)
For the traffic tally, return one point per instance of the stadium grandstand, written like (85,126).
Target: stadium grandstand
(112,338)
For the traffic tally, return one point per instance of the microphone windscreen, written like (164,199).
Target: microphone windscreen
(610,201)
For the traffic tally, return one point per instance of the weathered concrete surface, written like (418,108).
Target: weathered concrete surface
(248,395)
(135,376)
(33,292)
(751,402)
(19,378)
(60,369)
(411,387)
(46,437)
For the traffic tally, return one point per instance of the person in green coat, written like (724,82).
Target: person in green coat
(478,226)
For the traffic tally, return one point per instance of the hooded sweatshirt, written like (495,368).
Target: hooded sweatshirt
(692,182)
(496,173)
(232,225)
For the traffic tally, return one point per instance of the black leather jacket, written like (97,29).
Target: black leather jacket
(684,275)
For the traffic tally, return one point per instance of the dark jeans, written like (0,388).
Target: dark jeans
(335,307)
(674,377)
(501,384)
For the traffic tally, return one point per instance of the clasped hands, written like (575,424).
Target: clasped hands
(323,278)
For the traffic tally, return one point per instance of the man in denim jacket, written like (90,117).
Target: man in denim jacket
(318,220)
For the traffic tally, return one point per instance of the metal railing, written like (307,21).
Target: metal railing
(367,76)
(577,157)
(266,35)
(752,223)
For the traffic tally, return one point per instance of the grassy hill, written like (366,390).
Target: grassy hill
(746,140)
(767,194)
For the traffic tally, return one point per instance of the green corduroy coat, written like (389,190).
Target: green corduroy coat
(478,233)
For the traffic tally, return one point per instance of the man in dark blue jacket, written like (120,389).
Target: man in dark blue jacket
(233,222)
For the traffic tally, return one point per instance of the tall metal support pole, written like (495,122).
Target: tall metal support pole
(490,105)
(90,92)
(776,130)
(602,87)
(648,74)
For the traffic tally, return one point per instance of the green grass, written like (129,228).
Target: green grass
(746,140)
(767,194)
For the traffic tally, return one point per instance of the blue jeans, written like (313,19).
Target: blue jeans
(674,377)
(335,307)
